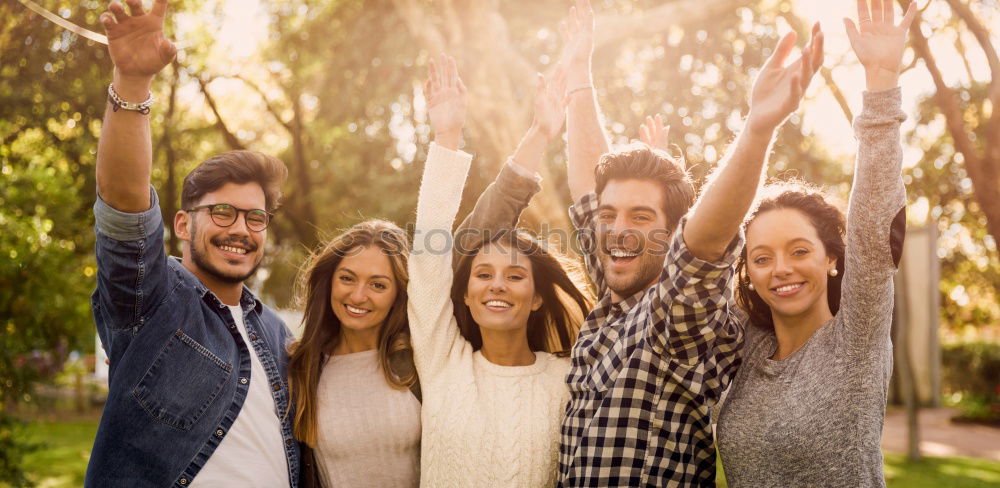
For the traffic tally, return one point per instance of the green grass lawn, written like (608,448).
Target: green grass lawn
(62,461)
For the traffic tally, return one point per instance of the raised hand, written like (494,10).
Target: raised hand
(654,133)
(446,102)
(778,89)
(879,43)
(550,103)
(135,39)
(577,33)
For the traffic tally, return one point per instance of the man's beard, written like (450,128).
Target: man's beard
(650,266)
(202,262)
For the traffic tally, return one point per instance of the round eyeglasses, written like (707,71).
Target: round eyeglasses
(224,215)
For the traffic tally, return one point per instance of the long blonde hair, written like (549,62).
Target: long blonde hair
(321,329)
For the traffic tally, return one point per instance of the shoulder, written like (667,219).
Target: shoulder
(554,365)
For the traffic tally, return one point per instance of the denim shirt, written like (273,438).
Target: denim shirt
(180,370)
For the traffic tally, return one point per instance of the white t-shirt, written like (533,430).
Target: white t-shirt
(252,453)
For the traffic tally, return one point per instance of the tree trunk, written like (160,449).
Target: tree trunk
(906,377)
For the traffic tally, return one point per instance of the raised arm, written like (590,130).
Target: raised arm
(726,198)
(586,139)
(876,219)
(434,331)
(500,205)
(124,153)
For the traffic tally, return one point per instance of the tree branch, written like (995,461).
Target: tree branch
(231,140)
(985,181)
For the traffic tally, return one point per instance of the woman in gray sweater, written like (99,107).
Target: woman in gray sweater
(807,405)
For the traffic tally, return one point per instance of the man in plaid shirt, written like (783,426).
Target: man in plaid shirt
(664,339)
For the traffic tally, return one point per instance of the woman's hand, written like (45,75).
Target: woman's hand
(879,44)
(655,134)
(446,102)
(778,89)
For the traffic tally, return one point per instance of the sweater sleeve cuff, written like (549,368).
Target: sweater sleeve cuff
(124,226)
(878,106)
(447,157)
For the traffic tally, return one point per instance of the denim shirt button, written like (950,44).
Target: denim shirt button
(243,380)
(219,432)
(183,481)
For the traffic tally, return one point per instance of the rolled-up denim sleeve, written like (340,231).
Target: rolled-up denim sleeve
(132,274)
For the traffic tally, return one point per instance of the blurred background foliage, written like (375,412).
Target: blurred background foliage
(333,88)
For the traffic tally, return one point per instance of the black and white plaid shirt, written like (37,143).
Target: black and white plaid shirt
(645,372)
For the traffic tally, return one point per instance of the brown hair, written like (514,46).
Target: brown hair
(321,329)
(554,326)
(830,226)
(236,167)
(640,162)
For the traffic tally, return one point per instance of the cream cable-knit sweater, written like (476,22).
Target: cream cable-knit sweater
(483,425)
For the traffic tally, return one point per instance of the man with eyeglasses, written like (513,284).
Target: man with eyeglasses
(198,393)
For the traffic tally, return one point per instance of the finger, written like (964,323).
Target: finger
(432,75)
(644,135)
(119,11)
(167,51)
(863,14)
(159,8)
(659,122)
(135,7)
(817,61)
(876,9)
(666,130)
(108,21)
(911,13)
(586,8)
(427,89)
(454,73)
(888,12)
(574,21)
(461,87)
(807,70)
(852,31)
(784,47)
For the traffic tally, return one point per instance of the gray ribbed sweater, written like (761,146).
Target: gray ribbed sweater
(815,418)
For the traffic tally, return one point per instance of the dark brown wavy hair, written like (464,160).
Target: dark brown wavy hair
(554,326)
(638,161)
(321,329)
(825,217)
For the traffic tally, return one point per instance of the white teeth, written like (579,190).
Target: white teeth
(621,253)
(356,310)
(782,289)
(233,249)
(498,303)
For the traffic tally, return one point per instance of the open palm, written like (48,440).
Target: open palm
(879,43)
(446,100)
(778,89)
(550,103)
(135,40)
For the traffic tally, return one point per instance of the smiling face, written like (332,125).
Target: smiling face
(632,235)
(363,289)
(788,265)
(227,254)
(501,290)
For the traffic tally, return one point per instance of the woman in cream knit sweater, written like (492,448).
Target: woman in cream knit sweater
(494,394)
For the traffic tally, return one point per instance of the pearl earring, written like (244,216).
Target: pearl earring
(834,272)
(750,286)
